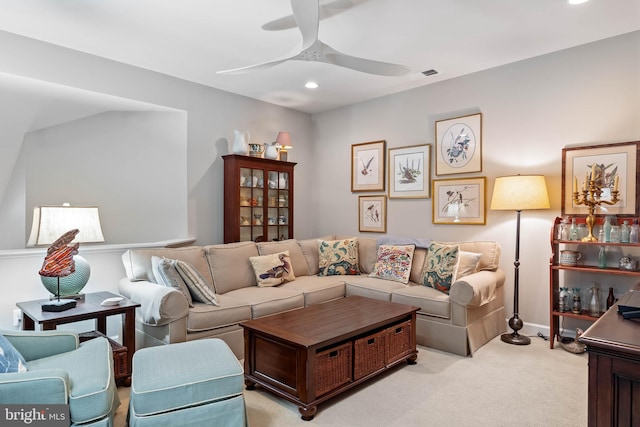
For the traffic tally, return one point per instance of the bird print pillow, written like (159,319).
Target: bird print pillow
(272,269)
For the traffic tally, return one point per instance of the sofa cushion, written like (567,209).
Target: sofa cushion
(467,264)
(369,287)
(298,261)
(200,290)
(266,301)
(367,254)
(90,370)
(431,302)
(230,265)
(338,257)
(137,262)
(318,289)
(166,274)
(309,248)
(490,250)
(272,269)
(231,311)
(393,263)
(417,265)
(439,266)
(10,358)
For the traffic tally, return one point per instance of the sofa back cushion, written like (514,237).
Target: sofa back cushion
(367,252)
(137,262)
(490,250)
(298,261)
(230,265)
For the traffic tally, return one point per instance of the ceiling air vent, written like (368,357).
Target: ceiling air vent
(430,72)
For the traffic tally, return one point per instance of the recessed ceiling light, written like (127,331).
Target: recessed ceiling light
(577,1)
(311,85)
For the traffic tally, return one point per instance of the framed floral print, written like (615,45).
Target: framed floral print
(367,166)
(372,215)
(409,170)
(459,145)
(459,201)
(605,162)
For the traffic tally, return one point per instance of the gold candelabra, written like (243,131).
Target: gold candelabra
(590,197)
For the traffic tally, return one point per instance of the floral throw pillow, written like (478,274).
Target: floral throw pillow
(338,257)
(272,269)
(394,263)
(440,266)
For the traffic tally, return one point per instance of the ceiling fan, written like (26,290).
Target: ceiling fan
(307,17)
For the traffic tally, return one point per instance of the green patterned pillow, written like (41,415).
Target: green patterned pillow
(440,266)
(338,257)
(394,263)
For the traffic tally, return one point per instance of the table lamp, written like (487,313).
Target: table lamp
(51,222)
(518,193)
(283,140)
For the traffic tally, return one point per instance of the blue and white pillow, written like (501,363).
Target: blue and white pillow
(10,359)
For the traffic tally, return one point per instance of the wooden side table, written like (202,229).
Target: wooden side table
(86,309)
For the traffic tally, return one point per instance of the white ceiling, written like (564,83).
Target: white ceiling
(192,39)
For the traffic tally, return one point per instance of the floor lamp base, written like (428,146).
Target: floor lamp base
(515,338)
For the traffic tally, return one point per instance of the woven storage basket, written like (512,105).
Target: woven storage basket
(333,368)
(398,341)
(369,354)
(119,353)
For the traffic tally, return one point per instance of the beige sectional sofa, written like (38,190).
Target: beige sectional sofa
(461,322)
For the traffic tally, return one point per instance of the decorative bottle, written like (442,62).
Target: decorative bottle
(573,231)
(576,307)
(594,302)
(610,299)
(624,232)
(607,229)
(563,300)
(602,257)
(633,234)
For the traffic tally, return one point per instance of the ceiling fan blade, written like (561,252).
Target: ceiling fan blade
(307,16)
(361,64)
(255,67)
(326,11)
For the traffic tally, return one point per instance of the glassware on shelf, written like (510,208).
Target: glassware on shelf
(624,232)
(576,305)
(602,257)
(573,230)
(594,307)
(610,299)
(563,301)
(615,234)
(634,234)
(607,229)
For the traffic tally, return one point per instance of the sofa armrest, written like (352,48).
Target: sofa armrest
(34,345)
(42,387)
(477,289)
(159,305)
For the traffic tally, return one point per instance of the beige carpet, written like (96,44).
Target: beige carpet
(502,385)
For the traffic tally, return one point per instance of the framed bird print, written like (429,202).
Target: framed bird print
(367,166)
(459,145)
(409,172)
(372,215)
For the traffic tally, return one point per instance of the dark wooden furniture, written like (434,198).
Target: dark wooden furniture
(258,199)
(87,309)
(614,369)
(587,266)
(314,353)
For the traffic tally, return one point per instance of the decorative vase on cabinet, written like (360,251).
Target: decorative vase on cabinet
(269,209)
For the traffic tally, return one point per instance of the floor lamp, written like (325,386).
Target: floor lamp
(518,193)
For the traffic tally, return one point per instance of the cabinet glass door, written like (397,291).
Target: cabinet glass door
(251,204)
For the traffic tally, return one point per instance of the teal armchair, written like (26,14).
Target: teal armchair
(63,371)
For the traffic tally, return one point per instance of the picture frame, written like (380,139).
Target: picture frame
(459,145)
(409,172)
(367,166)
(372,214)
(459,201)
(621,159)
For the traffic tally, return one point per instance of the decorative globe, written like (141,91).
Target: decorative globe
(71,284)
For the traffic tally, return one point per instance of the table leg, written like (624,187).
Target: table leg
(308,412)
(101,324)
(27,323)
(129,336)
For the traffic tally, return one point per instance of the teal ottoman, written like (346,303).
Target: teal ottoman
(196,383)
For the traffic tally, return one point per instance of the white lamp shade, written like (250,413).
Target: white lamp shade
(51,222)
(520,192)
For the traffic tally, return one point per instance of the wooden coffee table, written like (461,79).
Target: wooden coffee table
(314,353)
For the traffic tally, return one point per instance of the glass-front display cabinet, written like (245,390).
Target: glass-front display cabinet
(258,199)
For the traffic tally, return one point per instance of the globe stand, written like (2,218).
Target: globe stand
(58,304)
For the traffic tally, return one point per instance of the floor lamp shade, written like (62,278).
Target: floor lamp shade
(518,193)
(51,222)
